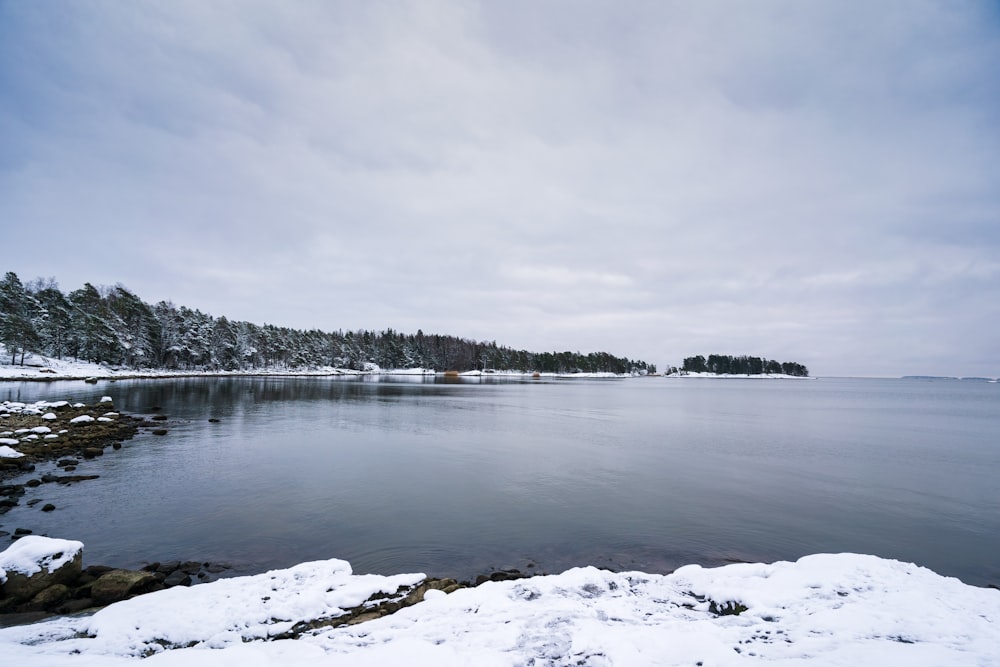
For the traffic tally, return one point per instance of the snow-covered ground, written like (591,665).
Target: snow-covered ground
(843,609)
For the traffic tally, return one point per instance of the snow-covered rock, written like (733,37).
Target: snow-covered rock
(82,419)
(6,452)
(33,563)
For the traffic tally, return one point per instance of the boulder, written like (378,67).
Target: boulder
(50,597)
(120,584)
(177,578)
(35,563)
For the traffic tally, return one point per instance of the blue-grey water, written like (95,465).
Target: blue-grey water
(460,477)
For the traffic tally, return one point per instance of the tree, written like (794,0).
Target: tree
(17,311)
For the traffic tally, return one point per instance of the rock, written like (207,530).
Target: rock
(177,578)
(66,462)
(48,507)
(169,566)
(213,420)
(91,452)
(22,531)
(121,584)
(191,567)
(33,482)
(116,445)
(50,597)
(151,567)
(215,568)
(159,418)
(74,606)
(97,570)
(34,563)
(160,431)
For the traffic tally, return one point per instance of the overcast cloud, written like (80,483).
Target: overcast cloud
(807,181)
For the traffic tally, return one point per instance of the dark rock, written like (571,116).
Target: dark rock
(69,468)
(191,567)
(97,570)
(177,578)
(8,502)
(151,567)
(73,606)
(33,482)
(159,431)
(91,452)
(48,507)
(66,462)
(22,531)
(116,445)
(213,420)
(215,568)
(50,597)
(69,479)
(159,418)
(169,566)
(121,584)
(33,502)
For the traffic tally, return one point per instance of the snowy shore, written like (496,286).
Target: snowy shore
(843,609)
(48,369)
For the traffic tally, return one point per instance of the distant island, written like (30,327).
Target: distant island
(114,327)
(724,364)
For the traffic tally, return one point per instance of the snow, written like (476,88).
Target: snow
(81,419)
(6,452)
(823,610)
(107,399)
(32,553)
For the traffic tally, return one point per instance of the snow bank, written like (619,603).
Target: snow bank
(823,610)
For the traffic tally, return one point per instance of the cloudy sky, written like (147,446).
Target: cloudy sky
(807,181)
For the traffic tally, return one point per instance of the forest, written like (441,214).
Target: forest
(114,327)
(724,364)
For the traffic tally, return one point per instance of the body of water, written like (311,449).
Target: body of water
(459,477)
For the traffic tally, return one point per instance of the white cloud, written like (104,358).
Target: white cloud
(654,179)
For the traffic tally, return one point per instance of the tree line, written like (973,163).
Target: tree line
(743,365)
(113,326)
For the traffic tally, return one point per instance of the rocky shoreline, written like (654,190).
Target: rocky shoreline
(69,434)
(72,589)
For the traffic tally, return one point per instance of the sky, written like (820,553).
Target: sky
(806,181)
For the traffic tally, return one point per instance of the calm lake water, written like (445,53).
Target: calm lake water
(457,478)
